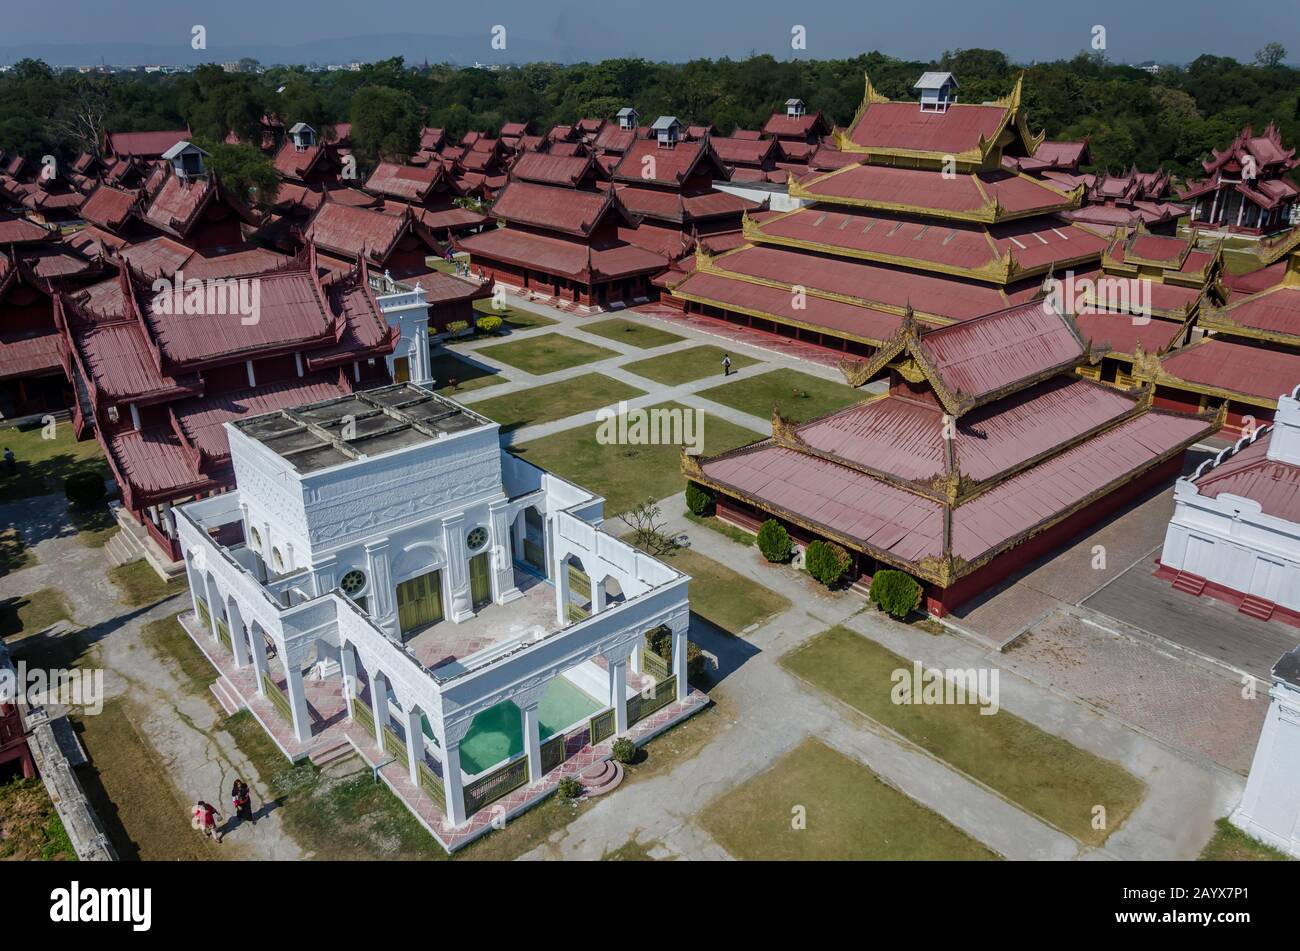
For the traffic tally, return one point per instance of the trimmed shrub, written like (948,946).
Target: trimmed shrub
(826,561)
(895,592)
(660,642)
(457,326)
(568,788)
(490,324)
(698,499)
(774,541)
(623,750)
(84,489)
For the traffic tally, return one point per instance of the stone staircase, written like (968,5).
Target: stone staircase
(1189,583)
(227,697)
(601,778)
(133,543)
(1256,607)
(330,751)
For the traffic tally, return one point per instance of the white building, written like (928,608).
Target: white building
(1270,808)
(385,572)
(1235,532)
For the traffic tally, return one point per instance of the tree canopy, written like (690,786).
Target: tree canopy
(1174,116)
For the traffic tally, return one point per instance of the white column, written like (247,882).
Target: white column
(597,596)
(460,606)
(214,608)
(532,741)
(618,693)
(260,665)
(379,698)
(561,592)
(452,789)
(348,661)
(238,638)
(636,657)
(679,662)
(414,744)
(297,701)
(503,563)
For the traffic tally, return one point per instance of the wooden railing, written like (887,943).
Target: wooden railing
(277,698)
(500,782)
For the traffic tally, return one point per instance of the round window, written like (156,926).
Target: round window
(476,539)
(353,582)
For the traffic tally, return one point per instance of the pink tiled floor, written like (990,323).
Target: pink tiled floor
(325,705)
(447,641)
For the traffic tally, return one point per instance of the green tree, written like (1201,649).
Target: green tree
(385,123)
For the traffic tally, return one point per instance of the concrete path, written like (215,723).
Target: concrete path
(570,325)
(766,712)
(183,729)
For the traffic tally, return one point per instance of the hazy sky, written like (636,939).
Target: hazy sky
(1136,30)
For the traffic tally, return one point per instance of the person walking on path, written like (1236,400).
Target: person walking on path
(204,819)
(726,364)
(242,801)
(11,461)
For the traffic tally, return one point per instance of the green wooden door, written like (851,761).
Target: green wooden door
(480,583)
(419,601)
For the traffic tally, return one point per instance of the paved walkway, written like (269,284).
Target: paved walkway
(182,728)
(766,712)
(570,325)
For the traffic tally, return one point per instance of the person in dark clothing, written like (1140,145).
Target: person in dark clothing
(242,801)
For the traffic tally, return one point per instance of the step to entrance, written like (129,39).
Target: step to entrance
(329,752)
(1191,584)
(1256,607)
(226,696)
(601,778)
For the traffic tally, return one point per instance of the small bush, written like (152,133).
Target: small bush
(827,562)
(774,541)
(568,788)
(623,750)
(895,592)
(84,489)
(489,325)
(457,326)
(698,499)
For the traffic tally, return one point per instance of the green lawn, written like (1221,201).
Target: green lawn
(725,597)
(552,401)
(683,366)
(43,464)
(1230,844)
(30,828)
(447,367)
(624,474)
(800,396)
(334,814)
(32,613)
(1040,772)
(632,332)
(166,638)
(139,584)
(738,535)
(815,803)
(514,318)
(546,353)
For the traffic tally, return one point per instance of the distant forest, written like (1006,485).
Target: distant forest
(1174,117)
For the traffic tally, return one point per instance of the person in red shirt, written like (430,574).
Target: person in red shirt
(204,819)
